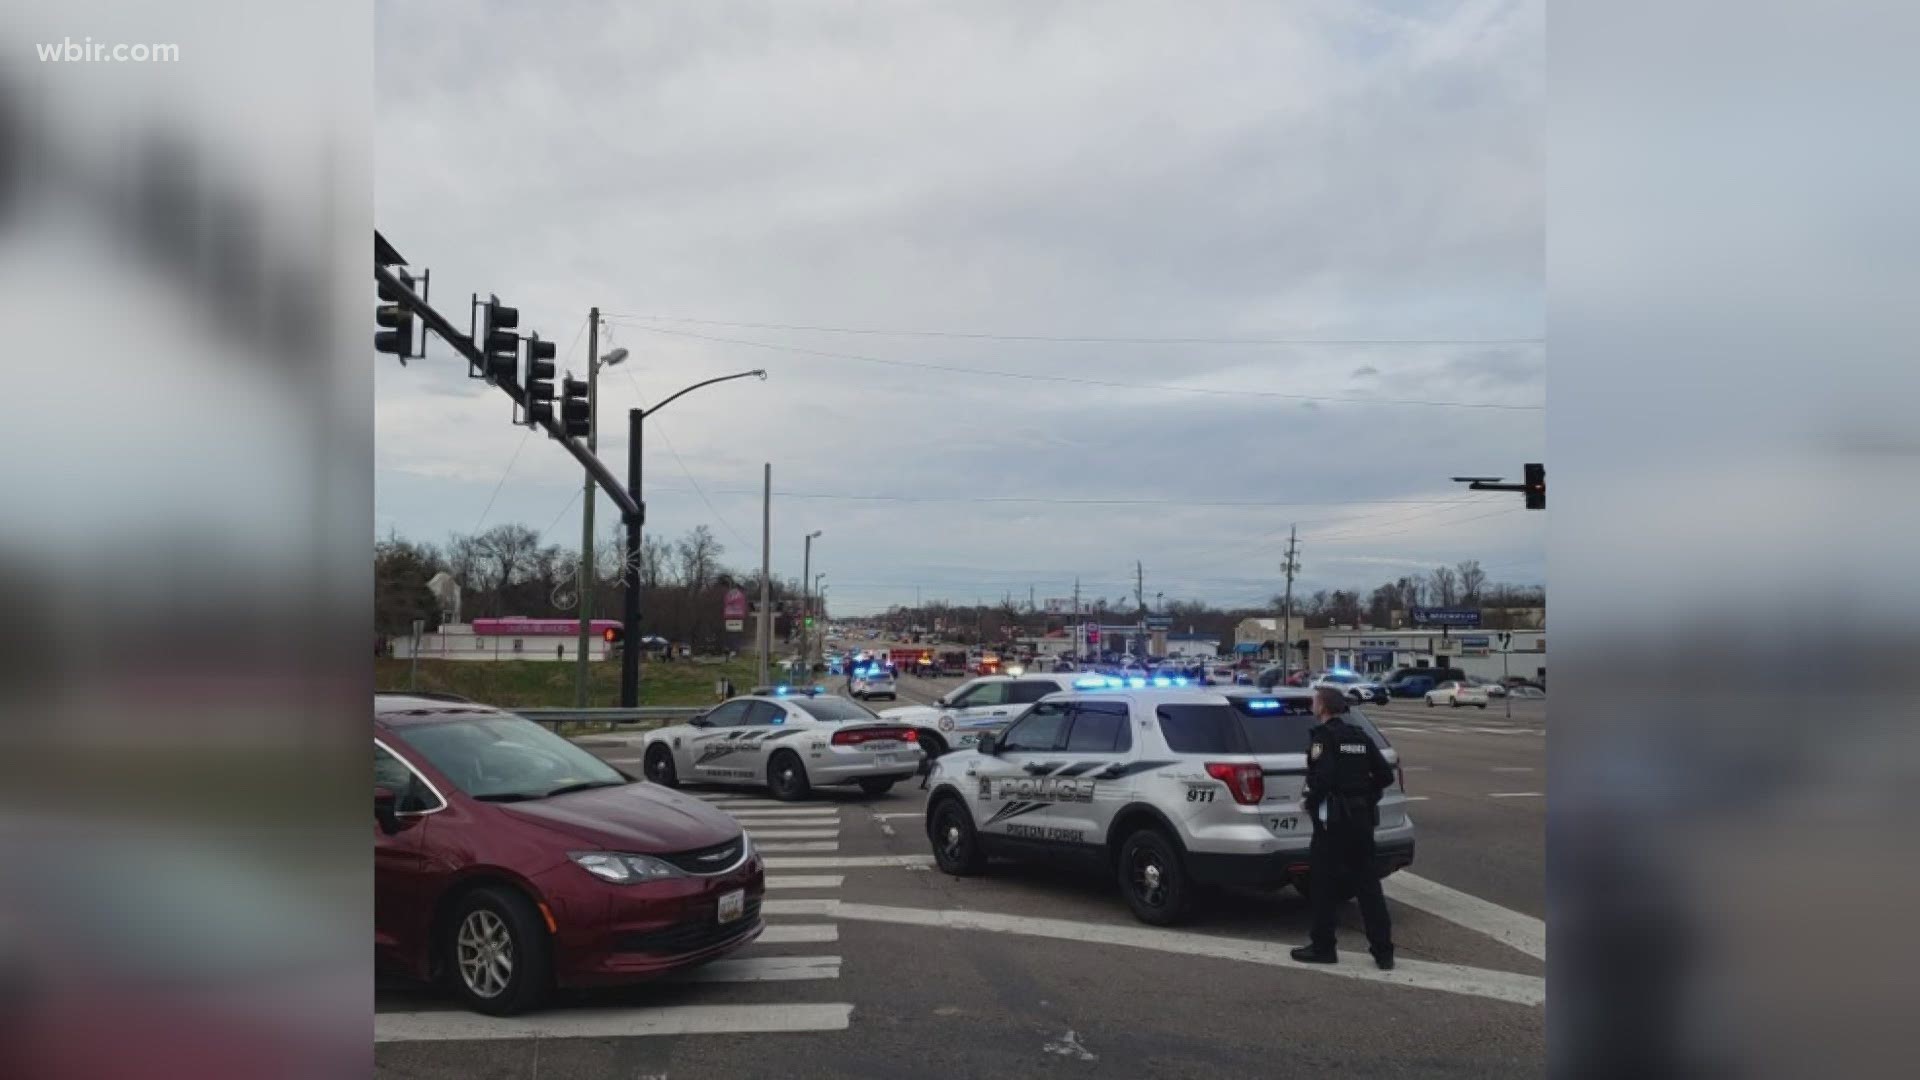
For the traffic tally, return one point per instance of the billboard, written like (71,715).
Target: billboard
(736,605)
(1445,616)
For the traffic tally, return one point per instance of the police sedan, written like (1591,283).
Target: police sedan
(788,741)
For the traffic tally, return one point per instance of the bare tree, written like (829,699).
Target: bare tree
(699,558)
(1472,581)
(1343,607)
(506,554)
(1446,587)
(1381,604)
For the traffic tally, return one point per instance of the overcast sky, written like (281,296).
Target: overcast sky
(1257,196)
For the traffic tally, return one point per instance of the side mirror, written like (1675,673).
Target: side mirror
(698,721)
(386,810)
(988,745)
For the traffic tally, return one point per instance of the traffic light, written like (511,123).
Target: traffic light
(613,635)
(499,345)
(576,412)
(1535,484)
(539,384)
(397,338)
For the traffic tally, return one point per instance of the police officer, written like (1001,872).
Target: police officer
(1345,775)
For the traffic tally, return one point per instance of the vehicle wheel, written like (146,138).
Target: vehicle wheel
(1453,703)
(872,786)
(1429,703)
(498,953)
(1483,705)
(1354,696)
(787,777)
(956,846)
(932,745)
(660,767)
(1152,879)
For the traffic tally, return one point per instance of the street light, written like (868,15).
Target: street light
(630,658)
(613,357)
(806,604)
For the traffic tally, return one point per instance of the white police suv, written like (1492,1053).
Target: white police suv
(788,740)
(976,707)
(1166,788)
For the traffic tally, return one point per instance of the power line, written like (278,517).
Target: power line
(1074,501)
(503,480)
(1084,339)
(1033,377)
(556,518)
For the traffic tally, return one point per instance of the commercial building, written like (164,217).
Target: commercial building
(515,638)
(1480,653)
(1193,644)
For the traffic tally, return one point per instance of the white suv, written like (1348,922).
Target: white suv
(978,706)
(1168,789)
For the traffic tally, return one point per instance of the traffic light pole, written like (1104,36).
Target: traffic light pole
(588,579)
(463,344)
(630,567)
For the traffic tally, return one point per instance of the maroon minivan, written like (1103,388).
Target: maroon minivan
(508,861)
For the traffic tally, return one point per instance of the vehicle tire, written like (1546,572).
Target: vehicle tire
(1152,878)
(660,768)
(932,745)
(787,777)
(1453,703)
(1482,705)
(1429,703)
(876,787)
(956,845)
(497,952)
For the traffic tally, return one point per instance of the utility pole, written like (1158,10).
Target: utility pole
(766,574)
(1291,567)
(587,577)
(1139,586)
(806,602)
(1079,646)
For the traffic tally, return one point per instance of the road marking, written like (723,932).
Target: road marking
(750,824)
(799,845)
(1420,974)
(458,1024)
(764,969)
(1415,798)
(1513,768)
(798,934)
(798,907)
(1516,794)
(822,814)
(848,862)
(1522,932)
(891,817)
(760,834)
(805,881)
(730,805)
(1416,768)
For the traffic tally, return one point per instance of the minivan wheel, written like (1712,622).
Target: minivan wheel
(956,846)
(660,767)
(497,952)
(1152,878)
(787,777)
(875,786)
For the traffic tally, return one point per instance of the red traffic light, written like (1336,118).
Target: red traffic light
(613,635)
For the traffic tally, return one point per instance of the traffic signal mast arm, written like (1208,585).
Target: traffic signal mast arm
(464,345)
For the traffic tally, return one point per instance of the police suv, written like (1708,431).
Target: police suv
(976,707)
(1168,789)
(788,740)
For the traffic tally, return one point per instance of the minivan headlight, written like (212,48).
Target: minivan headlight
(623,869)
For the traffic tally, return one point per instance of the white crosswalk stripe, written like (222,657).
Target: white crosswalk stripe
(799,907)
(805,881)
(846,862)
(823,813)
(764,969)
(760,834)
(799,934)
(458,1024)
(798,845)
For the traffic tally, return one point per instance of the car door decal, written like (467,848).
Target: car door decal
(1013,810)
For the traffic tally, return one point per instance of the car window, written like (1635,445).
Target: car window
(1203,729)
(1099,727)
(834,710)
(506,757)
(764,714)
(411,794)
(1040,730)
(730,714)
(1028,691)
(985,694)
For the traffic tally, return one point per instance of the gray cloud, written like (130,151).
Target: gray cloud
(1272,171)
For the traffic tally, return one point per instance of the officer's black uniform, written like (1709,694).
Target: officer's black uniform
(1345,773)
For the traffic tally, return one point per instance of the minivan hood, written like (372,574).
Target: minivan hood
(641,818)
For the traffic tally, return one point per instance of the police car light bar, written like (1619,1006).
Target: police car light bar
(1263,704)
(1136,682)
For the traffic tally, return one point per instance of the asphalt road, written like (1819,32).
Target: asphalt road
(883,966)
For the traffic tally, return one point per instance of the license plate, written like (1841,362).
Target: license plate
(883,759)
(883,747)
(733,905)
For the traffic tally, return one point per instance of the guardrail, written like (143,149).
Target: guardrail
(649,715)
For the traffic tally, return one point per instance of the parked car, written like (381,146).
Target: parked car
(1455,694)
(1493,688)
(1409,686)
(1357,688)
(510,861)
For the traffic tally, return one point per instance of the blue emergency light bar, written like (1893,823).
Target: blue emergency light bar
(1263,704)
(1136,682)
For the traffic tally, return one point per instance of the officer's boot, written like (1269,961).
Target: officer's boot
(1316,954)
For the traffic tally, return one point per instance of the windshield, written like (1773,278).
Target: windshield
(833,710)
(506,758)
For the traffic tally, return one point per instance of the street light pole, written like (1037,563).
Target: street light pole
(588,578)
(806,602)
(630,558)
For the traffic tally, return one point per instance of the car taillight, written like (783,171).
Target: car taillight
(1244,780)
(860,735)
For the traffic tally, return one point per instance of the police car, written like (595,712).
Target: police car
(976,707)
(872,682)
(1167,788)
(787,740)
